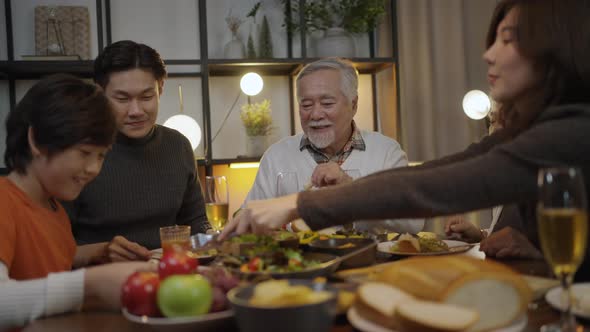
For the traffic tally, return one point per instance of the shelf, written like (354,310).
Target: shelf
(203,162)
(227,67)
(38,69)
(217,67)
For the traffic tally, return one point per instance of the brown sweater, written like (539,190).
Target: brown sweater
(497,171)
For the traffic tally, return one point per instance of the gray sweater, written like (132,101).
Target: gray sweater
(498,171)
(144,184)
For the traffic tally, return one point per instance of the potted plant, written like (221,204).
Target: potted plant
(336,19)
(257,120)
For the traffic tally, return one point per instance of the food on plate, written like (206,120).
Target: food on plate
(424,316)
(427,235)
(397,310)
(241,244)
(345,300)
(139,292)
(185,295)
(306,237)
(298,225)
(279,293)
(260,253)
(378,302)
(410,244)
(346,246)
(275,260)
(499,294)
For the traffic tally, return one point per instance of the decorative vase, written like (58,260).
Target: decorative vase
(256,145)
(234,49)
(336,42)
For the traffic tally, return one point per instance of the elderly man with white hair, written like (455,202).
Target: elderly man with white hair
(332,149)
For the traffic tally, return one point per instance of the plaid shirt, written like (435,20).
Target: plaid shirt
(355,142)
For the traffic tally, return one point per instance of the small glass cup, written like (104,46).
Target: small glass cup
(177,237)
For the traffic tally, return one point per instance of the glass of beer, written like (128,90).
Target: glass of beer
(563,230)
(216,201)
(177,237)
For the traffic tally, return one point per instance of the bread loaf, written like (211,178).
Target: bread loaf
(426,316)
(378,302)
(499,294)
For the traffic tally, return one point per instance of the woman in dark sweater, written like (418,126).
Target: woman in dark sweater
(539,71)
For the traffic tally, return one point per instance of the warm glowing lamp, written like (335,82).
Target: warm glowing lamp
(185,124)
(251,84)
(476,104)
(244,165)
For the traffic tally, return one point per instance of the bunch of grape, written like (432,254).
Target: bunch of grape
(222,281)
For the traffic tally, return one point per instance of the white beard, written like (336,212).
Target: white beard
(321,140)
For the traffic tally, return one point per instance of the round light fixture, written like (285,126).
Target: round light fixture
(476,104)
(251,84)
(186,126)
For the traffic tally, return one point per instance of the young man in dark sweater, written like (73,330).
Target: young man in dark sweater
(149,178)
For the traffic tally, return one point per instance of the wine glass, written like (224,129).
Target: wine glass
(216,201)
(287,183)
(563,228)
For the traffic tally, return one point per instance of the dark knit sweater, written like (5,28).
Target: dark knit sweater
(144,184)
(499,173)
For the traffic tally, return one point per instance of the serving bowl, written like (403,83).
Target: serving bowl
(306,317)
(341,247)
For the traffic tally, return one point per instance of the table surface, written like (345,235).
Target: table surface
(539,312)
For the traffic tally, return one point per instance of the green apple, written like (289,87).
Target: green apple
(185,295)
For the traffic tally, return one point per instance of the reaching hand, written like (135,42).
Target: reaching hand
(263,216)
(329,174)
(120,250)
(509,242)
(458,225)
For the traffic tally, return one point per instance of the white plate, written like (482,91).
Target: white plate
(364,325)
(207,322)
(454,248)
(579,291)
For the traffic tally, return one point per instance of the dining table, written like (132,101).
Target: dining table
(539,312)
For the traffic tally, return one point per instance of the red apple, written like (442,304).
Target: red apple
(139,294)
(177,262)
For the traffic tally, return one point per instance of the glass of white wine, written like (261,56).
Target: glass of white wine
(216,201)
(563,229)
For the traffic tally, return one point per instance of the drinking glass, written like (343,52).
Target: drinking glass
(216,201)
(175,237)
(287,183)
(563,228)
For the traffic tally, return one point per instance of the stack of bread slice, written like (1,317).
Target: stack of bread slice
(450,293)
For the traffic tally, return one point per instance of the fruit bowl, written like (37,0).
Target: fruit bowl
(208,322)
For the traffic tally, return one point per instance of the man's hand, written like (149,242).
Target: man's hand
(120,250)
(263,216)
(103,283)
(509,242)
(458,225)
(329,174)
